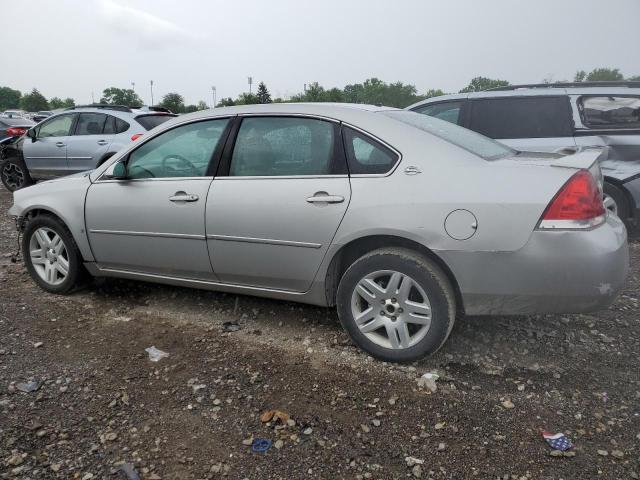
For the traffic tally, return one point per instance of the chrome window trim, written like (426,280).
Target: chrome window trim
(267,241)
(277,177)
(378,140)
(149,234)
(160,179)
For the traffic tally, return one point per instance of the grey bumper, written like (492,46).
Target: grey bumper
(555,272)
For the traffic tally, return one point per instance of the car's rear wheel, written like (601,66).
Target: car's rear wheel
(14,174)
(51,255)
(396,304)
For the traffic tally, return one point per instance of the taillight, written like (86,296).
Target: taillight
(135,137)
(578,204)
(16,131)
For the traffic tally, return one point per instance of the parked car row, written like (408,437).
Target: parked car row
(559,118)
(400,220)
(75,140)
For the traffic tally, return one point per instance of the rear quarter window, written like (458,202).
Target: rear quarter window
(151,121)
(522,117)
(610,111)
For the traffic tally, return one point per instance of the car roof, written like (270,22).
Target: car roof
(583,88)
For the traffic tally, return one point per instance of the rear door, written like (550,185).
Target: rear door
(89,142)
(47,154)
(277,202)
(541,123)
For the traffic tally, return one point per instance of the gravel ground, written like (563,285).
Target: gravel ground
(103,407)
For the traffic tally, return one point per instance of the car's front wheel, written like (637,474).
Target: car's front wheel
(51,255)
(14,174)
(396,304)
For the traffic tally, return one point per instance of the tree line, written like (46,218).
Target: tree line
(372,91)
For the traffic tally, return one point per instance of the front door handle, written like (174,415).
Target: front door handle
(102,142)
(60,144)
(184,197)
(324,197)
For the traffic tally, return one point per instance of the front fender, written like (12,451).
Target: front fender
(64,198)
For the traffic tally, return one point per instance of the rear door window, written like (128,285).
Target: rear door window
(447,111)
(90,124)
(610,111)
(283,146)
(522,117)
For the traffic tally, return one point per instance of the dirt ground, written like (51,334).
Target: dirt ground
(103,407)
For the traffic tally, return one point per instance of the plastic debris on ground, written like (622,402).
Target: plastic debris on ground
(275,415)
(130,471)
(557,441)
(261,445)
(230,327)
(428,381)
(28,387)
(155,355)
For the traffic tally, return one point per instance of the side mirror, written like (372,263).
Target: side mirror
(31,133)
(116,171)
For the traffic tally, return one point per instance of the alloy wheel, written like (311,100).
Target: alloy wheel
(49,256)
(391,309)
(13,175)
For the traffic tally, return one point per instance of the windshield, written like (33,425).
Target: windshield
(152,121)
(473,142)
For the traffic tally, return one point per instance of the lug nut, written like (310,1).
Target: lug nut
(400,310)
(382,313)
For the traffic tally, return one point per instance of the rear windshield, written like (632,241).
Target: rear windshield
(152,121)
(471,141)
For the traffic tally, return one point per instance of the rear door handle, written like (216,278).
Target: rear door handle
(60,144)
(102,142)
(324,197)
(184,197)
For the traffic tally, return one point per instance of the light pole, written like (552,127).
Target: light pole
(213,96)
(151,83)
(250,82)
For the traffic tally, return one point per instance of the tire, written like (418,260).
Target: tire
(52,257)
(616,201)
(14,174)
(389,336)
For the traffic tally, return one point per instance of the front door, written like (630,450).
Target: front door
(153,221)
(88,143)
(274,211)
(47,155)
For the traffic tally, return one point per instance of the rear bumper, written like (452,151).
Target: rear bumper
(555,272)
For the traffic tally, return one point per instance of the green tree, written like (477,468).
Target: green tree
(433,93)
(580,76)
(202,105)
(34,101)
(263,93)
(226,102)
(247,99)
(377,92)
(635,78)
(9,98)
(174,102)
(479,84)
(604,75)
(120,96)
(56,102)
(190,108)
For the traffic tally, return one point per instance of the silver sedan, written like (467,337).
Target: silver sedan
(401,221)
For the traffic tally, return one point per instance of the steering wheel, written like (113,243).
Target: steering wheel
(193,170)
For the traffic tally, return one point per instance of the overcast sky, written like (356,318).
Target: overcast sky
(69,48)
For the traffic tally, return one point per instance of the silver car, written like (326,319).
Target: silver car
(400,220)
(75,140)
